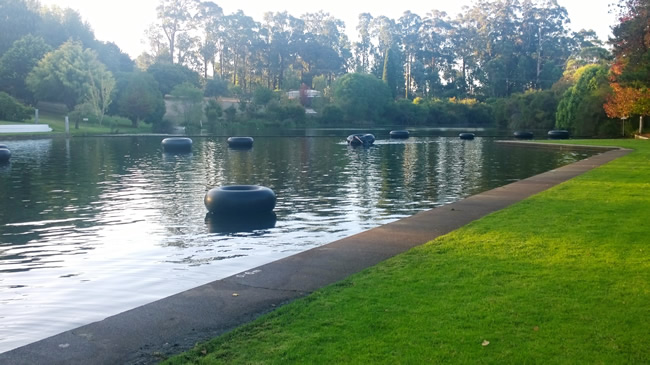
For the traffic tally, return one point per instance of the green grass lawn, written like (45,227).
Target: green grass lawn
(560,278)
(56,121)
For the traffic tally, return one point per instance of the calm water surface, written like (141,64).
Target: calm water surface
(90,227)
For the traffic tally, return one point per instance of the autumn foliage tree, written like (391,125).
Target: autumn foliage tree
(630,73)
(621,102)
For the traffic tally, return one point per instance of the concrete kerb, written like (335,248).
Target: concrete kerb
(174,324)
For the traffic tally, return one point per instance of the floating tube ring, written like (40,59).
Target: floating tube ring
(240,199)
(177,144)
(240,142)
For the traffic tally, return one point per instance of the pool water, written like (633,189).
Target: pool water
(90,227)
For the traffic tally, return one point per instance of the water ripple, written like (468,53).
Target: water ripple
(91,227)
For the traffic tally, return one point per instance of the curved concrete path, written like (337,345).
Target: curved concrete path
(150,333)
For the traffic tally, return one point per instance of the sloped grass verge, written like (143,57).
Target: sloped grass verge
(561,277)
(56,121)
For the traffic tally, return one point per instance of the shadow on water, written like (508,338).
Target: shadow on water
(218,223)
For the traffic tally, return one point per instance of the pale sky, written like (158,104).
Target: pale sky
(124,21)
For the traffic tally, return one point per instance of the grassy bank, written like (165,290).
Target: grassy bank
(56,121)
(562,277)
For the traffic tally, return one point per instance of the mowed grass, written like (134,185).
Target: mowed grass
(560,278)
(56,121)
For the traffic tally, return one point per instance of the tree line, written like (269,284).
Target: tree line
(508,63)
(492,49)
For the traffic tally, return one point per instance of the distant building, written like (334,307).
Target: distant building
(295,94)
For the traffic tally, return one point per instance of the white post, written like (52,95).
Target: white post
(36,115)
(641,125)
(67,126)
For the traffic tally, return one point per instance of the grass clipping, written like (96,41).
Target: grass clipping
(562,277)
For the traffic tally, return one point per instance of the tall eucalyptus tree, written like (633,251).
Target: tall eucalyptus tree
(437,52)
(209,19)
(325,49)
(364,49)
(284,33)
(242,37)
(176,17)
(410,26)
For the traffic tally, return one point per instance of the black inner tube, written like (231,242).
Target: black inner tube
(240,199)
(558,134)
(177,144)
(524,135)
(400,134)
(240,142)
(5,154)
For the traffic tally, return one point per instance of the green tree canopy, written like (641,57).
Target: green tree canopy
(69,75)
(216,87)
(141,99)
(631,42)
(361,96)
(188,103)
(531,110)
(169,76)
(17,19)
(393,74)
(112,56)
(18,61)
(12,110)
(581,108)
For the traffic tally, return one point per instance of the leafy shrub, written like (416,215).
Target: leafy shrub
(533,110)
(213,112)
(235,90)
(404,112)
(12,110)
(230,113)
(331,115)
(459,112)
(216,87)
(115,122)
(169,76)
(294,112)
(262,95)
(81,112)
(164,126)
(319,83)
(361,96)
(285,111)
(580,110)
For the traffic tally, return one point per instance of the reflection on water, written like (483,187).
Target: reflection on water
(222,223)
(90,227)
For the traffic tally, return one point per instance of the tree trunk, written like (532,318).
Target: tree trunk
(234,74)
(171,49)
(408,75)
(221,64)
(281,74)
(539,58)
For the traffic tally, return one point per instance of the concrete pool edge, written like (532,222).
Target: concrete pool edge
(148,333)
